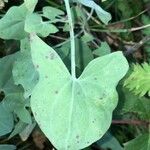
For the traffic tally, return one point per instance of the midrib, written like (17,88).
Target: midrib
(70,114)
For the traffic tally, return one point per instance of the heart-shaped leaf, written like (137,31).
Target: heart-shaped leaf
(73,113)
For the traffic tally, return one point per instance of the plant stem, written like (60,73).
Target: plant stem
(72,39)
(130,122)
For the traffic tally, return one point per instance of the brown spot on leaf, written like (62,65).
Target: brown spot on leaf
(52,56)
(37,66)
(77,137)
(68,146)
(95,78)
(56,92)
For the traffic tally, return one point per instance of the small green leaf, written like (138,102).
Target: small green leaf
(12,24)
(139,80)
(27,131)
(18,128)
(104,49)
(108,141)
(142,142)
(7,147)
(66,106)
(35,24)
(51,12)
(104,16)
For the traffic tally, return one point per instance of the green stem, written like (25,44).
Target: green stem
(72,39)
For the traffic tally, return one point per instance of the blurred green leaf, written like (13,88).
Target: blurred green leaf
(34,23)
(24,72)
(7,147)
(141,142)
(52,13)
(6,121)
(108,141)
(12,24)
(104,49)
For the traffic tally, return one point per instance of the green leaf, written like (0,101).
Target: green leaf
(135,104)
(139,80)
(27,131)
(12,24)
(19,127)
(6,120)
(13,100)
(51,12)
(7,147)
(108,141)
(30,4)
(142,142)
(24,72)
(104,16)
(23,114)
(35,24)
(66,106)
(87,37)
(102,50)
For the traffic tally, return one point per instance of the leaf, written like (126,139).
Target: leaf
(51,12)
(139,80)
(108,141)
(14,102)
(87,37)
(66,106)
(7,147)
(6,121)
(104,49)
(30,4)
(12,24)
(23,115)
(142,142)
(104,16)
(35,24)
(18,128)
(23,71)
(27,131)
(135,104)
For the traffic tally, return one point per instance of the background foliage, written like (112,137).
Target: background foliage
(96,36)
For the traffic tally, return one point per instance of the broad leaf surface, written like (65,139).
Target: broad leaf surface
(73,113)
(12,24)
